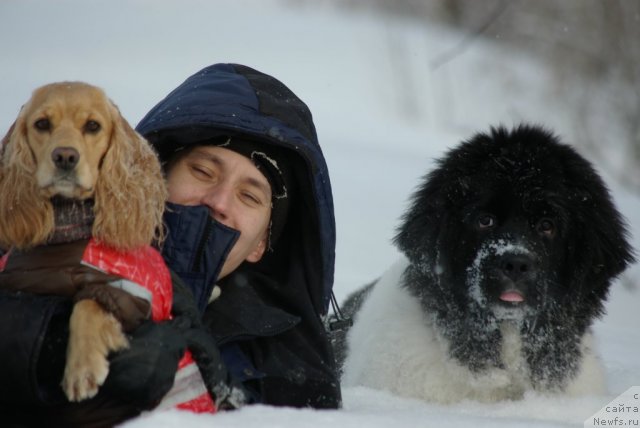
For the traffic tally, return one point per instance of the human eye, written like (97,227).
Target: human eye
(202,171)
(251,198)
(253,195)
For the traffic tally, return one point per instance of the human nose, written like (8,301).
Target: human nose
(219,202)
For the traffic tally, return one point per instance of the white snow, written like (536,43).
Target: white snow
(382,112)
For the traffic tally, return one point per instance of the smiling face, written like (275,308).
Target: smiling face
(237,194)
(68,128)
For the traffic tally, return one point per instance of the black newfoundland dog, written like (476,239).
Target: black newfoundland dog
(511,244)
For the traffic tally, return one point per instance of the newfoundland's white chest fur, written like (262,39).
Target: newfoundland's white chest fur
(394,345)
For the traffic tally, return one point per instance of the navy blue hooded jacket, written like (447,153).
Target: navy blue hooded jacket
(268,321)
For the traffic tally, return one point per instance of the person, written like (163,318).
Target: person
(251,242)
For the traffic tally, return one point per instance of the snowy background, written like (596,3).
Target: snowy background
(383,112)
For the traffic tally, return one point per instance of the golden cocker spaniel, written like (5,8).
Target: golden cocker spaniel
(70,141)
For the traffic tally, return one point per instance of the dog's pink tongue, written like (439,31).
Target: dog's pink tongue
(511,296)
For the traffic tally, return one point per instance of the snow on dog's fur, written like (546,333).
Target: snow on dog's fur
(510,246)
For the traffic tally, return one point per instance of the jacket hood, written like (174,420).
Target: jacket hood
(235,100)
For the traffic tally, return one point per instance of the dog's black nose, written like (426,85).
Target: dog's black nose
(517,266)
(65,158)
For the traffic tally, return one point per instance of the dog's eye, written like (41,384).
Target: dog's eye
(486,221)
(546,227)
(91,127)
(42,124)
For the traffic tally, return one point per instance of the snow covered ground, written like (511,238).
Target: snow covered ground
(383,113)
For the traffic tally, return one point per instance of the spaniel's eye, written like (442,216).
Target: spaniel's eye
(91,127)
(546,227)
(42,124)
(486,221)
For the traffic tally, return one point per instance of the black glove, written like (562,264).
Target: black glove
(145,372)
(227,393)
(183,309)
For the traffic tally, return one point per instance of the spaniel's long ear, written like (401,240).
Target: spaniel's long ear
(130,190)
(26,218)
